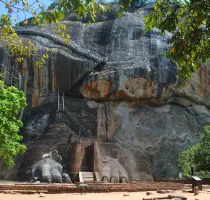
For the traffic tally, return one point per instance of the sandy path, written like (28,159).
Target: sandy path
(204,195)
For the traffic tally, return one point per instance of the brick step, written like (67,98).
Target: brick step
(88,173)
(86,176)
(96,187)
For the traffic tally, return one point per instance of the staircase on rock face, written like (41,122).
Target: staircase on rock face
(84,166)
(86,173)
(11,76)
(82,130)
(57,42)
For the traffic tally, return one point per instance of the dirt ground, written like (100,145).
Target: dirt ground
(204,195)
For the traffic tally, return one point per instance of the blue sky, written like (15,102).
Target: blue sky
(21,15)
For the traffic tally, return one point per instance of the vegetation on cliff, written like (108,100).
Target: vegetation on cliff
(198,156)
(12,101)
(189,23)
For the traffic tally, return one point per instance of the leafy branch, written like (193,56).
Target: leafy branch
(189,23)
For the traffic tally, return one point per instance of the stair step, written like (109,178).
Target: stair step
(88,179)
(87,176)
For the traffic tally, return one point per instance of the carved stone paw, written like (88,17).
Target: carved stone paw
(113,171)
(49,169)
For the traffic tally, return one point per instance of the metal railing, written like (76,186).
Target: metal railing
(61,107)
(10,76)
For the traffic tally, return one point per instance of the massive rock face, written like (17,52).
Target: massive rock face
(126,94)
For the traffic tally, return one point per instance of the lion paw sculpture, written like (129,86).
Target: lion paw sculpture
(49,169)
(113,171)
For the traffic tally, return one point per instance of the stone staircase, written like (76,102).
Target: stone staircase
(82,129)
(84,167)
(85,177)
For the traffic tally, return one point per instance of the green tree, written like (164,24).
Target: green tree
(189,23)
(198,156)
(11,102)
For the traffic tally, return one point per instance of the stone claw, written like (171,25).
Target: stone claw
(105,179)
(113,171)
(113,180)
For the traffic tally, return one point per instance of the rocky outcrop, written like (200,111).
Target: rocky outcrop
(130,100)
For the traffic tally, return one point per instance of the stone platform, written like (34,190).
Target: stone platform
(92,187)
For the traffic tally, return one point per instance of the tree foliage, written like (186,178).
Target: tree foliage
(40,14)
(189,23)
(11,102)
(198,156)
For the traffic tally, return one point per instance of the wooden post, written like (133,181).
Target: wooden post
(63,101)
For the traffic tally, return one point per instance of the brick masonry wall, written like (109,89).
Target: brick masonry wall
(76,158)
(95,187)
